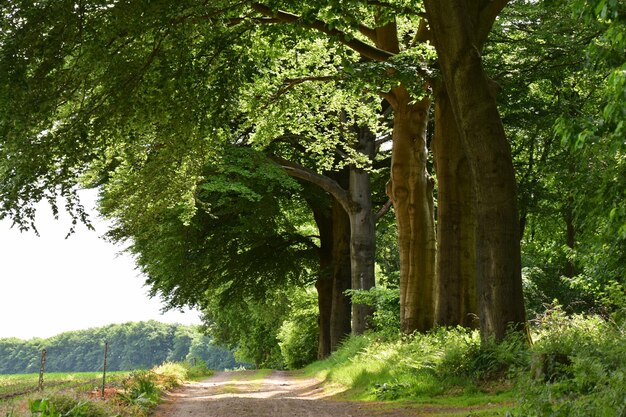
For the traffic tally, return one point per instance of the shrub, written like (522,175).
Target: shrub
(386,303)
(578,368)
(141,389)
(420,365)
(170,374)
(298,340)
(197,370)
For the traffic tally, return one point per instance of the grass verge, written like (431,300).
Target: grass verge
(447,370)
(575,368)
(132,394)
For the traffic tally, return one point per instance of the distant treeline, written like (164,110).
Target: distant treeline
(131,346)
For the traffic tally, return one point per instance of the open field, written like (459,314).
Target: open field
(19,384)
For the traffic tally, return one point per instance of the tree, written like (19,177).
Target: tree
(455,293)
(554,85)
(153,92)
(132,346)
(459,30)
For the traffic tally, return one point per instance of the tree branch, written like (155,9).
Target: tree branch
(330,186)
(368,32)
(359,46)
(405,10)
(383,210)
(288,136)
(290,83)
(487,16)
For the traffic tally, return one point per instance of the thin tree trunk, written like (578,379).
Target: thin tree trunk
(363,233)
(455,290)
(411,190)
(499,283)
(324,282)
(340,325)
(324,302)
(570,236)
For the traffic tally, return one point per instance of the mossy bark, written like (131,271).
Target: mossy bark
(455,290)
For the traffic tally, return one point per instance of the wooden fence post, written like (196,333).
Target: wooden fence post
(42,369)
(104,367)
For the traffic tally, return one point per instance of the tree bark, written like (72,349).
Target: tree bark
(455,289)
(324,282)
(340,322)
(411,190)
(324,289)
(499,283)
(363,231)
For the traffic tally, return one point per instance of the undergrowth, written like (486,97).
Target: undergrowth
(421,365)
(576,367)
(144,388)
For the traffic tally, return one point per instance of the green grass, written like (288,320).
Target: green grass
(575,368)
(444,373)
(83,380)
(56,385)
(134,393)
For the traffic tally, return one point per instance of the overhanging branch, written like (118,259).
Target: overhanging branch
(490,10)
(359,46)
(290,83)
(330,186)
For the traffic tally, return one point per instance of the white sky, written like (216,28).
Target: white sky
(49,284)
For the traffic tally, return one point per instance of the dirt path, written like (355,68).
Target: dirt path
(281,394)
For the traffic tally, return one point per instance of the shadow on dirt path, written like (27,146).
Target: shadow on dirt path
(281,394)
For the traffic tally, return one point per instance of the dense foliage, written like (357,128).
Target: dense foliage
(559,105)
(139,345)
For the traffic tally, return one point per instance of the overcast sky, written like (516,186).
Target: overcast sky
(50,284)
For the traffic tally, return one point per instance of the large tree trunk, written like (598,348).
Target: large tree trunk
(499,283)
(340,325)
(411,191)
(455,290)
(363,231)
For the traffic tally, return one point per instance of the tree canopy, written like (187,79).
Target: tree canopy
(239,149)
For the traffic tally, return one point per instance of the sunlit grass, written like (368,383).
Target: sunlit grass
(422,371)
